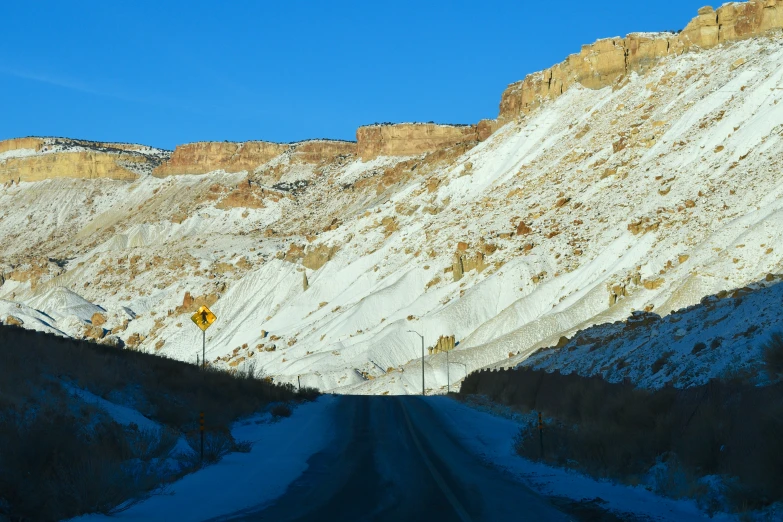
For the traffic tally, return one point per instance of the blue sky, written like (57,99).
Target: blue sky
(164,73)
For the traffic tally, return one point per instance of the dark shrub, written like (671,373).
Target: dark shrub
(728,428)
(281,410)
(60,457)
(308,394)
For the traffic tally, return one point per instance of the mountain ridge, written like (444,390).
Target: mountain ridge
(646,194)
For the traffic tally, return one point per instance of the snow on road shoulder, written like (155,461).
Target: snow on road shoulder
(243,480)
(492,438)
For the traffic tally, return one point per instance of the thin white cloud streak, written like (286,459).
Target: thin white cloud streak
(65,83)
(76,85)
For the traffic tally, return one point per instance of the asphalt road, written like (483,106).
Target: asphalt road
(392,460)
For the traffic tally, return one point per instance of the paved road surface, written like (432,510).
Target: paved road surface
(394,461)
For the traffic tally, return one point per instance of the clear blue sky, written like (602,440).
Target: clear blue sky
(168,72)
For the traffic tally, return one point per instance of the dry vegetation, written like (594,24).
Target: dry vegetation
(62,457)
(729,429)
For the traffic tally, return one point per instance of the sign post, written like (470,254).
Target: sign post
(203,319)
(423,392)
(448,374)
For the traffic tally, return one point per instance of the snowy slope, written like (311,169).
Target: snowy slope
(721,336)
(649,195)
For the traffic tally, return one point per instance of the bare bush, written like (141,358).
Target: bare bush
(217,444)
(59,469)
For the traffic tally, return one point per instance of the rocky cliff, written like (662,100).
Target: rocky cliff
(317,151)
(37,159)
(647,195)
(405,139)
(601,64)
(203,157)
(34,144)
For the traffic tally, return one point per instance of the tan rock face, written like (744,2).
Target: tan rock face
(317,151)
(410,138)
(98,319)
(445,343)
(94,332)
(13,321)
(317,257)
(486,127)
(462,262)
(523,229)
(203,157)
(601,64)
(74,159)
(21,143)
(84,164)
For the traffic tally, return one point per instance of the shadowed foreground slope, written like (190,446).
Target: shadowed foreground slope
(62,455)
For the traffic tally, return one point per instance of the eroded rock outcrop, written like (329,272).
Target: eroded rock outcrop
(37,159)
(318,151)
(84,165)
(406,139)
(12,320)
(601,64)
(21,144)
(445,343)
(203,157)
(316,257)
(462,263)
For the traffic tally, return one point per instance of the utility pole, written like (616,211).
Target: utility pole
(422,360)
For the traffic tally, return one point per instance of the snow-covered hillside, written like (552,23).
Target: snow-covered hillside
(646,195)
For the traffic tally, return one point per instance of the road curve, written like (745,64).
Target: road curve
(393,460)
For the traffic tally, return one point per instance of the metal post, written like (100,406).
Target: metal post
(422,360)
(423,391)
(299,383)
(448,375)
(201,391)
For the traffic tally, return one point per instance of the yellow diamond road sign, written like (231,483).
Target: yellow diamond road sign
(203,318)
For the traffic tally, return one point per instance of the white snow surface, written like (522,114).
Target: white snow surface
(666,187)
(242,480)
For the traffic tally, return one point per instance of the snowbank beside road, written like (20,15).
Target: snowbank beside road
(242,480)
(492,438)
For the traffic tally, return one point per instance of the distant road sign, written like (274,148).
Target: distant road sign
(203,318)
